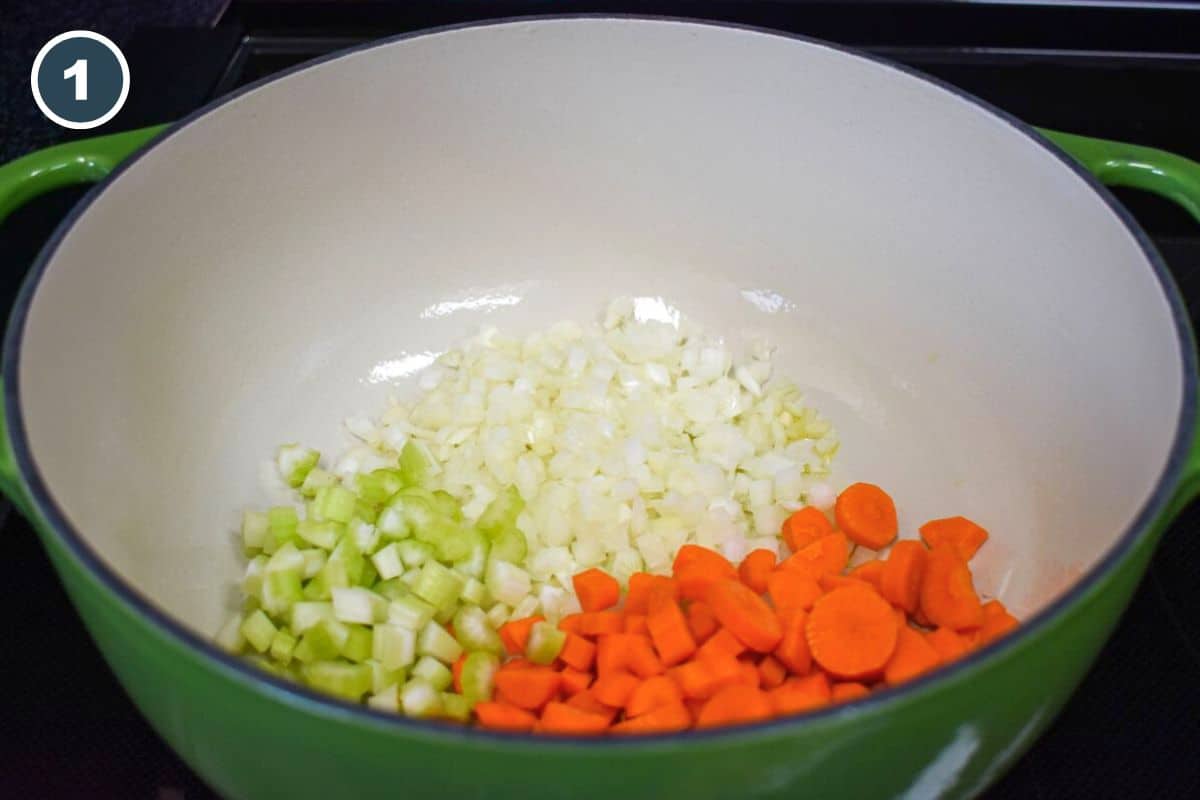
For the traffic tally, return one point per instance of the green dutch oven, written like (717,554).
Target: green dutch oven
(989,330)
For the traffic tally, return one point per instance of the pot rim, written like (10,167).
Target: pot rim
(236,668)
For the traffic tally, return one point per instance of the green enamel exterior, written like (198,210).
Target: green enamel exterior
(950,735)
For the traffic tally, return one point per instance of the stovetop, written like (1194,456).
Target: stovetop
(1127,70)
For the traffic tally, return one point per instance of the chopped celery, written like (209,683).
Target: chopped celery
(455,707)
(478,676)
(414,553)
(419,699)
(365,535)
(295,462)
(410,577)
(314,560)
(447,505)
(392,589)
(282,646)
(507,582)
(474,632)
(286,559)
(451,540)
(435,672)
(526,608)
(410,612)
(317,587)
(280,590)
(509,545)
(443,616)
(368,576)
(282,521)
(416,463)
(326,639)
(303,652)
(316,480)
(334,575)
(436,641)
(347,554)
(475,562)
(366,512)
(501,514)
(255,528)
(545,643)
(306,614)
(335,503)
(378,486)
(258,631)
(230,638)
(474,592)
(324,534)
(252,579)
(359,644)
(439,586)
(350,681)
(359,605)
(382,677)
(385,699)
(387,561)
(498,615)
(393,646)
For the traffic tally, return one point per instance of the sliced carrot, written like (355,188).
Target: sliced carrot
(948,644)
(562,718)
(651,694)
(669,630)
(694,573)
(503,717)
(793,651)
(702,622)
(515,633)
(615,689)
(527,687)
(700,678)
(792,589)
(830,582)
(996,622)
(852,632)
(919,617)
(749,675)
(912,657)
(636,623)
(734,705)
(804,527)
(574,681)
(577,652)
(638,593)
(663,719)
(456,670)
(755,568)
(721,643)
(800,694)
(948,596)
(586,701)
(596,623)
(869,571)
(745,615)
(847,691)
(771,670)
(596,589)
(825,556)
(866,514)
(900,581)
(959,532)
(569,623)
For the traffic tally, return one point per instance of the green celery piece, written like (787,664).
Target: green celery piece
(255,529)
(388,562)
(295,463)
(393,646)
(336,503)
(286,559)
(230,638)
(258,630)
(447,505)
(382,677)
(280,590)
(474,592)
(366,512)
(475,562)
(252,580)
(438,585)
(410,612)
(350,681)
(306,614)
(385,698)
(474,632)
(282,521)
(359,644)
(324,534)
(282,646)
(315,481)
(451,541)
(507,582)
(379,486)
(545,643)
(314,560)
(501,514)
(358,605)
(436,641)
(326,639)
(368,575)
(303,652)
(455,707)
(334,575)
(348,554)
(509,545)
(392,589)
(366,536)
(436,673)
(414,553)
(318,587)
(420,699)
(478,676)
(415,463)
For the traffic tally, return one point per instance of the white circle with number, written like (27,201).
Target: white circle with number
(80,80)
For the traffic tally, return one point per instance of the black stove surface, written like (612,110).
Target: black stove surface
(1133,728)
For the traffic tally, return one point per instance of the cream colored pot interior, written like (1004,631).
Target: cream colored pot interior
(987,336)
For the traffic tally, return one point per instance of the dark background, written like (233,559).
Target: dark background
(1133,728)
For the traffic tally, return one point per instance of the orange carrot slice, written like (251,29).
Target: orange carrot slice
(793,650)
(755,568)
(804,527)
(651,694)
(771,670)
(596,590)
(866,514)
(734,705)
(900,581)
(825,556)
(792,589)
(912,657)
(745,615)
(664,719)
(702,622)
(959,532)
(503,717)
(527,687)
(800,694)
(515,633)
(852,632)
(565,719)
(948,597)
(845,692)
(577,652)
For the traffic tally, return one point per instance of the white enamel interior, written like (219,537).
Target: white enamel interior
(986,335)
